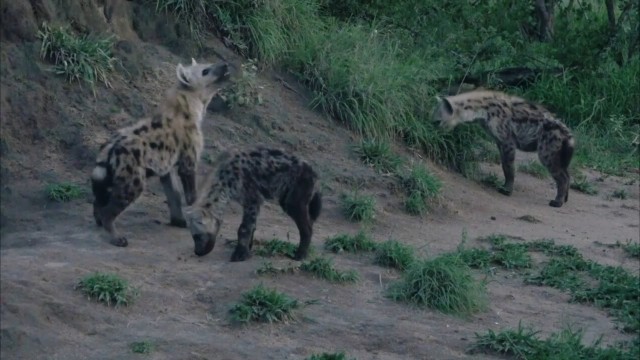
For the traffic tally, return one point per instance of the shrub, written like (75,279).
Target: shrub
(107,288)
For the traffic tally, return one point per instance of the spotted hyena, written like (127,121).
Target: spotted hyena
(515,123)
(250,177)
(168,143)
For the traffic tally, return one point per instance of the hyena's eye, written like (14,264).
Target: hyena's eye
(205,72)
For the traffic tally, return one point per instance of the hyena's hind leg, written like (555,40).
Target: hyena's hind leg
(174,200)
(507,158)
(247,228)
(296,205)
(557,157)
(125,191)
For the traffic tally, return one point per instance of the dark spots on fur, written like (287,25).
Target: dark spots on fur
(129,169)
(533,107)
(175,138)
(550,126)
(141,130)
(186,115)
(136,154)
(468,107)
(156,121)
(275,152)
(137,182)
(153,145)
(255,154)
(121,151)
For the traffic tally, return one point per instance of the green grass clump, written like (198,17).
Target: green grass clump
(476,258)
(357,207)
(420,186)
(392,253)
(261,304)
(510,256)
(378,154)
(109,289)
(444,283)
(244,91)
(276,247)
(64,192)
(631,248)
(323,268)
(329,356)
(350,243)
(620,194)
(142,347)
(267,268)
(524,343)
(77,57)
(581,184)
(534,168)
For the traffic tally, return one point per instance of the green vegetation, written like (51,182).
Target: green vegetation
(350,243)
(244,91)
(329,356)
(378,154)
(267,268)
(444,283)
(420,186)
(322,267)
(262,304)
(631,248)
(107,288)
(358,207)
(276,247)
(64,192)
(394,254)
(524,343)
(581,184)
(142,347)
(534,168)
(619,194)
(75,57)
(504,254)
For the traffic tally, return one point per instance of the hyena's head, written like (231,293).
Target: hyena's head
(444,114)
(204,227)
(203,78)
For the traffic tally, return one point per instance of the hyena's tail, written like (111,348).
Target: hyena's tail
(101,182)
(566,153)
(315,206)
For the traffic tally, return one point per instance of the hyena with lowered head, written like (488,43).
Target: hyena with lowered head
(168,142)
(250,177)
(515,123)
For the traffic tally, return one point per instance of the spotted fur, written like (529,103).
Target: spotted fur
(515,123)
(166,144)
(250,177)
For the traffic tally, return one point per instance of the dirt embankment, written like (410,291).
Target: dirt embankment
(51,131)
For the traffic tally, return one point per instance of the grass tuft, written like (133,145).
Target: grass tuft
(64,192)
(329,356)
(77,58)
(444,283)
(350,243)
(619,194)
(420,186)
(378,154)
(534,168)
(261,304)
(581,184)
(394,254)
(275,247)
(358,208)
(631,248)
(142,347)
(109,289)
(323,268)
(244,91)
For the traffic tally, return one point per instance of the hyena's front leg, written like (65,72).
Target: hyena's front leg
(187,174)
(507,158)
(246,231)
(174,200)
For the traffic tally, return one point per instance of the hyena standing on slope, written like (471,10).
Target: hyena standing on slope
(170,141)
(515,123)
(249,177)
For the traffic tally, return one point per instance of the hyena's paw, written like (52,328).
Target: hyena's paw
(98,221)
(505,191)
(120,241)
(181,223)
(300,255)
(555,203)
(241,253)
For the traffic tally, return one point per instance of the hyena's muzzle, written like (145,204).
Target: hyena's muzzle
(203,243)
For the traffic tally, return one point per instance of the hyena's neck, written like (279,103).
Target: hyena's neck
(214,201)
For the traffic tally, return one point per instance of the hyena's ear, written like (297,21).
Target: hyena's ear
(182,75)
(445,104)
(193,62)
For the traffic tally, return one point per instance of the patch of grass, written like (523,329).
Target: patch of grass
(631,248)
(529,218)
(581,184)
(378,154)
(142,347)
(392,253)
(329,356)
(323,268)
(620,194)
(357,207)
(109,289)
(77,58)
(524,343)
(244,91)
(476,258)
(350,243)
(510,256)
(276,247)
(267,268)
(492,180)
(64,192)
(193,13)
(534,168)
(420,186)
(444,283)
(262,304)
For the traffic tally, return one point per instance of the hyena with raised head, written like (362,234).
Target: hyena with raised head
(250,177)
(515,123)
(168,142)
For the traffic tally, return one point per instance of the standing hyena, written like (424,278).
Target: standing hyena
(249,177)
(168,141)
(515,123)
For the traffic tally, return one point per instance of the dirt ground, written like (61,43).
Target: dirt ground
(184,300)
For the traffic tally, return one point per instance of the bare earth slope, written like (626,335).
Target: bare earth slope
(184,300)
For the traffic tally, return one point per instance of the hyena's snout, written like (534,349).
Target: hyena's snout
(203,243)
